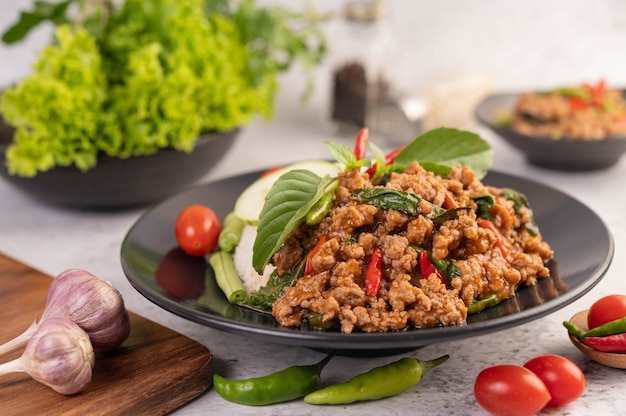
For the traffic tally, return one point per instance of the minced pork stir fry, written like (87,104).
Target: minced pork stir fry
(376,268)
(587,112)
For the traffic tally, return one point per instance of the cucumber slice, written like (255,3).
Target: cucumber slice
(249,204)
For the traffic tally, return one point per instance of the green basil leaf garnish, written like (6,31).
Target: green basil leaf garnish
(285,208)
(443,148)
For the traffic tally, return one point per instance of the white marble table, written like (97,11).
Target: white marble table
(53,239)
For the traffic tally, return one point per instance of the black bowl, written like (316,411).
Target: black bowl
(562,154)
(116,183)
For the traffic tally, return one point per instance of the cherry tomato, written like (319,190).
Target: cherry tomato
(606,309)
(563,378)
(197,229)
(512,390)
(270,170)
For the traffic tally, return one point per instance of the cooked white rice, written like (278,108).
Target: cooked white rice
(242,257)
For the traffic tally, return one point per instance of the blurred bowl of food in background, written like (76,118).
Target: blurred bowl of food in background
(580,128)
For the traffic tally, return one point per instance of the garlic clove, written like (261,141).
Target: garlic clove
(94,304)
(60,355)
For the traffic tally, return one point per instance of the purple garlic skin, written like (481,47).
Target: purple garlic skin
(93,304)
(60,355)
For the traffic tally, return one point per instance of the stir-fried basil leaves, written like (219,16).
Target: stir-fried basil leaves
(484,203)
(521,202)
(405,202)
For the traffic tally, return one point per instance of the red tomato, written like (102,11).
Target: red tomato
(512,390)
(197,229)
(270,170)
(606,309)
(563,378)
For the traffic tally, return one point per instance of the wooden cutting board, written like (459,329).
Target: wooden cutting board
(155,371)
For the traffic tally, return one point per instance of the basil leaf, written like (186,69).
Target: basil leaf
(405,202)
(519,202)
(42,11)
(286,205)
(345,156)
(446,147)
(264,298)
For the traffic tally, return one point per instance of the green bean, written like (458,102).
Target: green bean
(484,303)
(285,385)
(380,382)
(231,232)
(226,276)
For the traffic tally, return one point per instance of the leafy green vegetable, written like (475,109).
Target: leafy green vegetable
(58,109)
(42,11)
(264,298)
(441,149)
(286,205)
(521,202)
(345,156)
(148,75)
(406,202)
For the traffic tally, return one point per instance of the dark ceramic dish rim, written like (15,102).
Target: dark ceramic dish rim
(150,237)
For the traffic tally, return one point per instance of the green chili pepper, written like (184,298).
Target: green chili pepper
(288,384)
(316,321)
(231,232)
(380,382)
(320,209)
(484,303)
(617,326)
(226,276)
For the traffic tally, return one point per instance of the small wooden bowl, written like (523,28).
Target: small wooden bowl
(610,359)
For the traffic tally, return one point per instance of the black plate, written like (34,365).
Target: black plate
(582,244)
(562,154)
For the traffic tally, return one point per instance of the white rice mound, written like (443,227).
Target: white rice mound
(242,257)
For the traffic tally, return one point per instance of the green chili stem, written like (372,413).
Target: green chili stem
(574,330)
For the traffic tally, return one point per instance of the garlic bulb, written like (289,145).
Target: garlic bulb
(94,304)
(59,355)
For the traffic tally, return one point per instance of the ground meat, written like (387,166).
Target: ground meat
(353,231)
(557,115)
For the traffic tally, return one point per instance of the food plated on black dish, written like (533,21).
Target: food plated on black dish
(447,240)
(570,128)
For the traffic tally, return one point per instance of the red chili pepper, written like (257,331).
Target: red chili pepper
(427,267)
(597,93)
(308,267)
(389,159)
(360,146)
(578,104)
(374,273)
(609,343)
(500,242)
(449,202)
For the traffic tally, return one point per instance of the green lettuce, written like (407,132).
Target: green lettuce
(148,75)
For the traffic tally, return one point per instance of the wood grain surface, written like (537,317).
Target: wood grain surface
(155,371)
